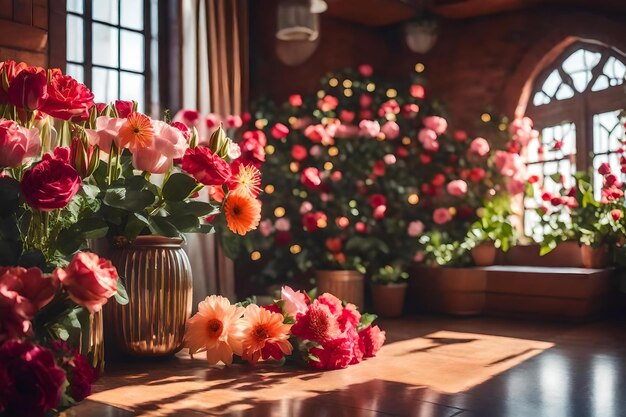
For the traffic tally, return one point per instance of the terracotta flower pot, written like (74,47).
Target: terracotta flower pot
(345,285)
(389,299)
(484,254)
(595,258)
(157,275)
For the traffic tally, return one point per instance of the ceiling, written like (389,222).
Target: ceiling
(386,12)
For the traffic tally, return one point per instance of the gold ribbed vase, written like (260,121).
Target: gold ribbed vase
(345,285)
(157,274)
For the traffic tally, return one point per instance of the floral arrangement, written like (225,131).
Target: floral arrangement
(365,167)
(72,171)
(323,332)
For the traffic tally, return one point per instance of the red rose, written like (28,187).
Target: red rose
(311,178)
(604,169)
(334,244)
(417,91)
(314,221)
(299,152)
(31,383)
(366,70)
(317,134)
(31,283)
(28,89)
(327,103)
(123,108)
(50,185)
(295,100)
(377,200)
(206,166)
(80,374)
(8,70)
(379,168)
(616,214)
(283,238)
(67,98)
(280,131)
(373,339)
(89,280)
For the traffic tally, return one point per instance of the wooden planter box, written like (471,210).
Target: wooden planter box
(457,291)
(547,293)
(566,254)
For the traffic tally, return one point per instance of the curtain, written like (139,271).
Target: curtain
(215,79)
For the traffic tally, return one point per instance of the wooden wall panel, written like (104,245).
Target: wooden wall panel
(24,31)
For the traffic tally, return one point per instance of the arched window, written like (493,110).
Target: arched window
(576,105)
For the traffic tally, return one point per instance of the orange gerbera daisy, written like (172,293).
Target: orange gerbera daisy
(263,335)
(243,212)
(136,132)
(213,329)
(245,178)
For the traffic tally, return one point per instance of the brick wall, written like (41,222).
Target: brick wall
(24,31)
(476,64)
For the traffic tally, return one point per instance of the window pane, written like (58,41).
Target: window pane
(105,45)
(74,38)
(132,14)
(607,132)
(105,85)
(76,71)
(75,6)
(105,11)
(132,50)
(133,89)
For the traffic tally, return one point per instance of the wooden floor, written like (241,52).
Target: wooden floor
(430,367)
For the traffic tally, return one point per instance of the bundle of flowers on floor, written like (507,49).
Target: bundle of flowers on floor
(72,171)
(323,332)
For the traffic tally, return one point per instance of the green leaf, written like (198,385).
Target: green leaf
(366,320)
(161,226)
(136,223)
(9,196)
(186,223)
(128,199)
(178,187)
(196,208)
(121,296)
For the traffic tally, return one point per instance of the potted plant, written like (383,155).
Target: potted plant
(491,232)
(389,290)
(599,224)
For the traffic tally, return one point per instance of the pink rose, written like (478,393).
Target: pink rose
(168,144)
(328,103)
(295,100)
(389,159)
(346,131)
(106,133)
(311,178)
(441,215)
(279,131)
(265,227)
(457,188)
(479,146)
(347,116)
(366,70)
(509,164)
(89,280)
(17,144)
(365,101)
(426,135)
(417,91)
(436,123)
(515,185)
(391,130)
(369,128)
(282,225)
(294,302)
(305,207)
(317,134)
(415,228)
(234,121)
(211,121)
(299,152)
